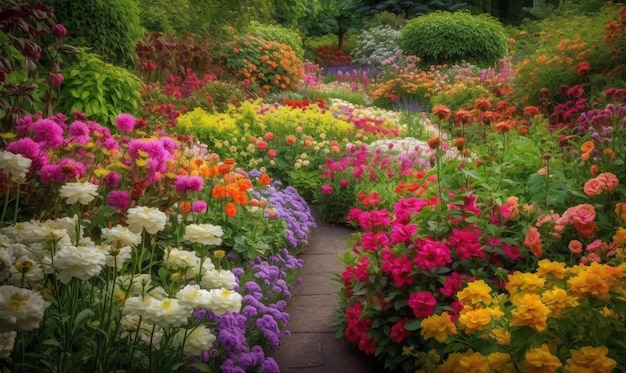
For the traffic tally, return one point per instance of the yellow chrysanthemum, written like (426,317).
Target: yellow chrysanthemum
(500,362)
(475,292)
(557,300)
(590,359)
(474,319)
(523,282)
(474,363)
(502,336)
(439,327)
(530,311)
(541,360)
(548,268)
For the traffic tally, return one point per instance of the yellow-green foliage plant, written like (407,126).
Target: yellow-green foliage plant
(207,127)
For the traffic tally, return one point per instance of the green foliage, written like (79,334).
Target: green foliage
(408,9)
(387,19)
(279,34)
(99,89)
(461,95)
(446,38)
(110,28)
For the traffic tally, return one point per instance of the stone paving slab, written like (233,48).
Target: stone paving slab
(315,284)
(311,319)
(327,264)
(314,300)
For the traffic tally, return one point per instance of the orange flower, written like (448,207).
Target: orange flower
(231,210)
(442,112)
(434,142)
(587,147)
(291,139)
(463,116)
(265,179)
(218,192)
(185,207)
(533,241)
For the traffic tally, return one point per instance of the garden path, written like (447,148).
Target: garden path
(312,347)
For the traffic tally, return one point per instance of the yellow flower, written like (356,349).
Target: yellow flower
(619,238)
(474,363)
(474,319)
(541,360)
(530,311)
(438,327)
(500,362)
(451,364)
(523,282)
(587,283)
(549,268)
(590,359)
(475,292)
(557,300)
(502,336)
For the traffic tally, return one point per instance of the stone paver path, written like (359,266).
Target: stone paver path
(313,347)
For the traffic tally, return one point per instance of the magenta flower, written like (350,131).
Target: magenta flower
(199,206)
(72,169)
(29,149)
(119,199)
(371,241)
(111,179)
(466,243)
(59,31)
(401,233)
(399,268)
(55,80)
(431,254)
(327,189)
(422,303)
(125,122)
(50,173)
(79,133)
(188,184)
(452,284)
(48,133)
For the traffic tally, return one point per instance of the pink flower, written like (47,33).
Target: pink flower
(327,189)
(344,183)
(422,303)
(399,268)
(466,243)
(575,247)
(125,122)
(48,133)
(593,187)
(407,207)
(28,148)
(111,179)
(452,284)
(188,184)
(371,241)
(431,254)
(79,133)
(59,31)
(119,199)
(401,233)
(533,241)
(512,251)
(594,246)
(399,332)
(199,206)
(608,180)
(361,271)
(55,80)
(510,209)
(581,214)
(272,153)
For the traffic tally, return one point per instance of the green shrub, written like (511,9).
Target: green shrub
(375,45)
(280,34)
(447,38)
(110,28)
(99,89)
(387,19)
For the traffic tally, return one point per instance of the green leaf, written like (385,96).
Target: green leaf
(81,319)
(413,324)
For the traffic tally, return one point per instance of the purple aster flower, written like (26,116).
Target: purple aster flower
(125,122)
(254,173)
(269,365)
(119,199)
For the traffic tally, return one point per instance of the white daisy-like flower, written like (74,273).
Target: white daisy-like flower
(120,235)
(151,219)
(147,334)
(224,300)
(20,309)
(7,342)
(168,312)
(136,306)
(215,279)
(83,262)
(80,191)
(133,284)
(14,164)
(206,234)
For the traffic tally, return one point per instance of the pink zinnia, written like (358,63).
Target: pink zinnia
(55,80)
(111,179)
(361,271)
(119,199)
(50,173)
(327,189)
(72,169)
(79,133)
(188,184)
(408,207)
(48,133)
(125,122)
(199,206)
(399,268)
(422,303)
(452,284)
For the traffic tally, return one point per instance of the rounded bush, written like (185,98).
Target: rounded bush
(375,45)
(279,34)
(447,38)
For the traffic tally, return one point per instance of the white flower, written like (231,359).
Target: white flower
(83,192)
(14,164)
(83,262)
(193,296)
(136,306)
(166,312)
(219,279)
(148,218)
(140,283)
(115,255)
(26,271)
(207,265)
(147,334)
(20,309)
(224,300)
(206,234)
(196,341)
(7,341)
(182,260)
(6,260)
(120,235)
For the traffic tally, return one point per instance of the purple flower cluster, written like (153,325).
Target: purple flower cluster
(293,209)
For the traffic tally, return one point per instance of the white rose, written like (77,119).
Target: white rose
(206,234)
(83,262)
(167,312)
(196,341)
(7,342)
(14,164)
(26,271)
(193,296)
(219,279)
(224,300)
(83,192)
(20,309)
(179,260)
(150,219)
(120,235)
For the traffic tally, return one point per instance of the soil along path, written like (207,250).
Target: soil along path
(312,347)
